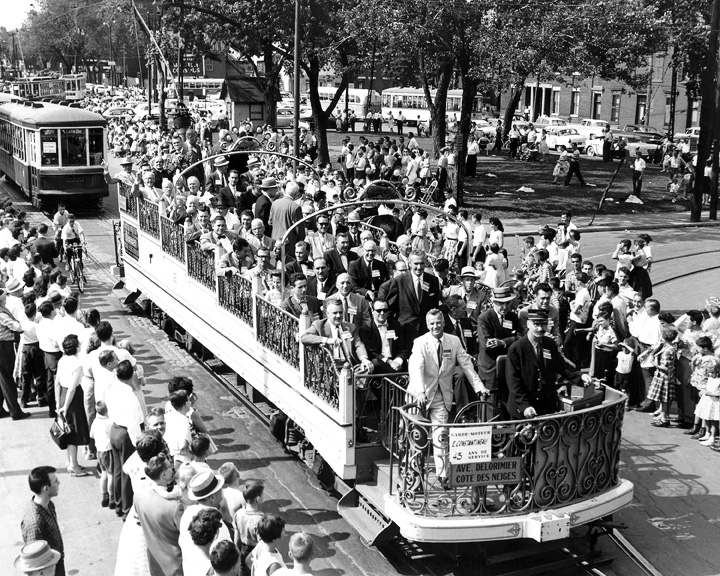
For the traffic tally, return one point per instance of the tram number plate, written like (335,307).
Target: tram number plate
(498,471)
(130,241)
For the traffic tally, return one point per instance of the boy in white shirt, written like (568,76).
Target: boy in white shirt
(100,432)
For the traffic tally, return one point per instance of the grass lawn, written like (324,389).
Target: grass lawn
(498,194)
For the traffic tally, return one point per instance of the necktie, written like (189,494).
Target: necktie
(541,359)
(345,310)
(418,289)
(439,352)
(459,332)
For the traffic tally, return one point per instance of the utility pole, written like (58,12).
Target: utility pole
(648,97)
(296,88)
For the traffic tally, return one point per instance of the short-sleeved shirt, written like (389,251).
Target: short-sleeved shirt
(71,232)
(245,523)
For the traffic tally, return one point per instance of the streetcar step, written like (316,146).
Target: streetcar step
(373,526)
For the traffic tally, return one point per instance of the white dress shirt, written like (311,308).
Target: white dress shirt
(124,409)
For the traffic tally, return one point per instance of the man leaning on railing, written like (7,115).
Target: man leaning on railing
(236,262)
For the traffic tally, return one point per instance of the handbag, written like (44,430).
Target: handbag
(712,388)
(60,431)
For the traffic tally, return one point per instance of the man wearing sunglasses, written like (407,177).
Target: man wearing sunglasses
(382,340)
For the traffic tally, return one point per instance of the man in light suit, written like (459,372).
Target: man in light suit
(219,240)
(160,519)
(284,213)
(356,309)
(342,338)
(431,367)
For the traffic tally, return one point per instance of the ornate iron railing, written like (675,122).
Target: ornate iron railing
(235,295)
(201,265)
(322,377)
(536,464)
(126,202)
(172,239)
(149,217)
(377,395)
(278,331)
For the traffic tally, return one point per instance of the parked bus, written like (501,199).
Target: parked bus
(413,105)
(357,100)
(202,88)
(75,86)
(53,152)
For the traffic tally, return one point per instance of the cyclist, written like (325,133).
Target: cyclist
(73,235)
(59,221)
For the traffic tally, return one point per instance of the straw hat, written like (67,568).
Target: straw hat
(503,294)
(36,556)
(204,484)
(469,271)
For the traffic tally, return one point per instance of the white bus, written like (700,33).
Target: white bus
(357,100)
(202,88)
(75,86)
(411,102)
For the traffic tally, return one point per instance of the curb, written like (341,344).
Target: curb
(622,227)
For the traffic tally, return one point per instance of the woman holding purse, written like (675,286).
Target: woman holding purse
(69,393)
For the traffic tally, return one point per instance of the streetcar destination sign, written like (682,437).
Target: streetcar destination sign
(498,471)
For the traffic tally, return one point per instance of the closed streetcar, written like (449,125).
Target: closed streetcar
(53,153)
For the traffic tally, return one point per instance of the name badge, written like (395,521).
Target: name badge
(346,335)
(467,333)
(471,305)
(425,286)
(321,296)
(218,182)
(547,355)
(390,334)
(447,354)
(376,273)
(352,311)
(507,324)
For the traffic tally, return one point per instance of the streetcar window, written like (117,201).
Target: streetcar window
(73,143)
(49,151)
(96,146)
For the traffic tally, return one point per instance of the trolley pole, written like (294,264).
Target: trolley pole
(296,89)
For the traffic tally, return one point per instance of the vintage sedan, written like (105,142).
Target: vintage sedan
(562,138)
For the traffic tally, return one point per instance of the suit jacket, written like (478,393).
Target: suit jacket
(216,181)
(426,376)
(403,301)
(473,300)
(208,241)
(226,193)
(320,244)
(373,341)
(359,312)
(527,386)
(295,267)
(293,307)
(320,329)
(284,212)
(332,257)
(466,331)
(245,200)
(315,286)
(47,250)
(262,211)
(367,278)
(160,521)
(489,327)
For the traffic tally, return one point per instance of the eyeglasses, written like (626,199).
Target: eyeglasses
(322,223)
(381,310)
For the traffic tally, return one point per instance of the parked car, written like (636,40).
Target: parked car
(485,127)
(562,138)
(634,143)
(544,121)
(645,133)
(126,113)
(590,128)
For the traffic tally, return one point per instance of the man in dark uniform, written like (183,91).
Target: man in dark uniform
(533,365)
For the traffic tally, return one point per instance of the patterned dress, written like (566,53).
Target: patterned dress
(662,387)
(704,367)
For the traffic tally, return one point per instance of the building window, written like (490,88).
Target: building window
(694,113)
(575,103)
(256,112)
(668,107)
(209,65)
(640,109)
(596,105)
(556,102)
(615,109)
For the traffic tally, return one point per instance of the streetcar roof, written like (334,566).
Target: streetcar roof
(46,114)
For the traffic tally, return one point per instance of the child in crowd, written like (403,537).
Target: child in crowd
(231,489)
(623,369)
(246,521)
(100,432)
(705,365)
(662,387)
(562,166)
(301,550)
(201,448)
(605,344)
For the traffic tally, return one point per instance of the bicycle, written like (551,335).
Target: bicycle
(74,264)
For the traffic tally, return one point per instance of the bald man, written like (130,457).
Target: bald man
(368,273)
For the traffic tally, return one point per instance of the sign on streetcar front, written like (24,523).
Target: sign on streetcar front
(471,462)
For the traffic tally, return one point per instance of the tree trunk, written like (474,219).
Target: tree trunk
(269,86)
(321,116)
(512,106)
(470,90)
(438,107)
(708,84)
